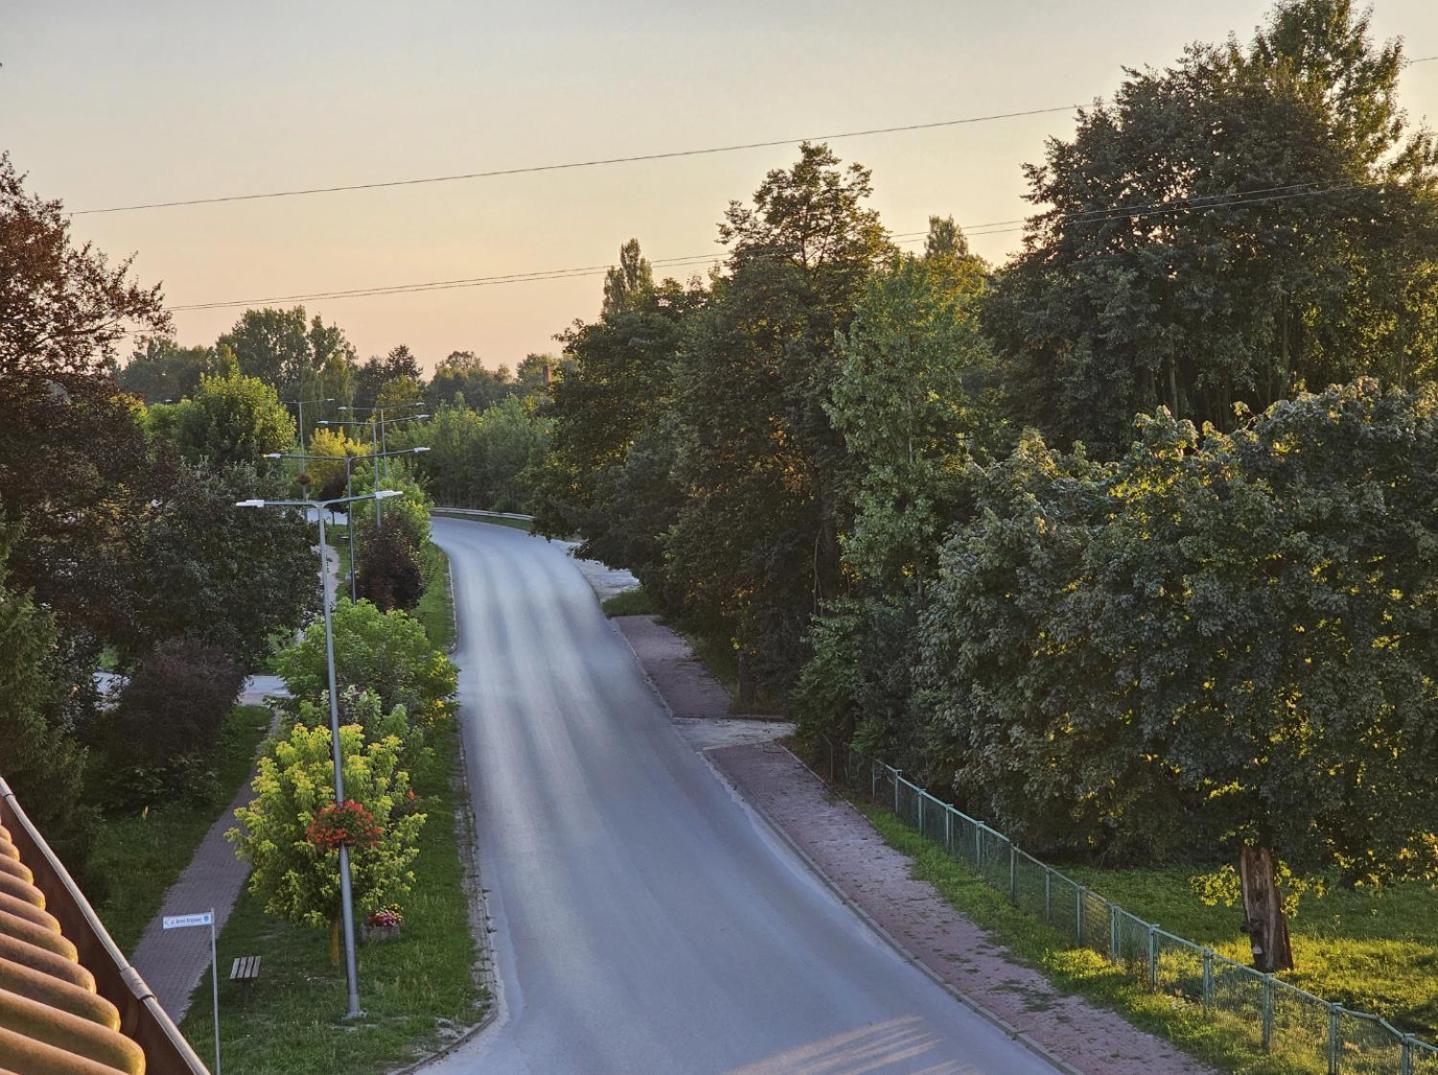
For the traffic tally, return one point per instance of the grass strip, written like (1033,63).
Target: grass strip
(139,856)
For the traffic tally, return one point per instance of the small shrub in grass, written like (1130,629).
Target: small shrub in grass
(388,574)
(160,739)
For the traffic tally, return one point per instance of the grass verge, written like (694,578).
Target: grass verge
(411,988)
(436,607)
(142,855)
(633,602)
(1336,953)
(493,520)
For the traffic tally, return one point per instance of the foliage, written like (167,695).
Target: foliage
(234,419)
(462,379)
(388,572)
(346,824)
(327,474)
(161,371)
(297,878)
(370,378)
(762,468)
(480,458)
(1212,641)
(159,740)
(289,353)
(44,765)
(387,652)
(199,567)
(1283,235)
(407,515)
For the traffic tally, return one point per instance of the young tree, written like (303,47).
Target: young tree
(234,419)
(387,652)
(388,574)
(1246,223)
(291,833)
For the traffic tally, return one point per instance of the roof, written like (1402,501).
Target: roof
(69,1001)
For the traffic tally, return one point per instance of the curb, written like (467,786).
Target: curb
(1020,1036)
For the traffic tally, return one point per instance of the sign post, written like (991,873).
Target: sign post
(204,918)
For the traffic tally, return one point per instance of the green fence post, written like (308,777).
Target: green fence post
(1112,933)
(978,847)
(1153,957)
(873,780)
(1334,1045)
(1078,914)
(1405,1065)
(1208,981)
(897,774)
(922,796)
(1048,894)
(1013,874)
(1267,1012)
(948,829)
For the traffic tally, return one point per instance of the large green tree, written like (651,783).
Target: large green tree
(1250,221)
(161,371)
(234,419)
(291,353)
(756,543)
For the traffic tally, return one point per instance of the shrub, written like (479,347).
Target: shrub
(160,738)
(389,576)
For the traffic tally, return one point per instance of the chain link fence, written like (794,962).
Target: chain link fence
(1266,1013)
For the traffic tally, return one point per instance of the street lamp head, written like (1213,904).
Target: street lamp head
(385,494)
(421,448)
(249,503)
(274,455)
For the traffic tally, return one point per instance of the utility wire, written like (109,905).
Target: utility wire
(1199,203)
(569,165)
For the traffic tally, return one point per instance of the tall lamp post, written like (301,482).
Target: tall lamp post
(300,403)
(377,441)
(349,519)
(346,895)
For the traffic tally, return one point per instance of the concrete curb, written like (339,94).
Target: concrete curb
(898,946)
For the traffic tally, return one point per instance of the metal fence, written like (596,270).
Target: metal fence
(1266,1013)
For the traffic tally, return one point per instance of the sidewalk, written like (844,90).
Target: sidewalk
(172,962)
(875,879)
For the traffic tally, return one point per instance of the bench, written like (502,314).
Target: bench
(245,969)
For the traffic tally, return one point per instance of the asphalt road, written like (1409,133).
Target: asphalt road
(646,921)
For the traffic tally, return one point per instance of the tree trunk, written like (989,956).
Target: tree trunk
(334,942)
(1265,923)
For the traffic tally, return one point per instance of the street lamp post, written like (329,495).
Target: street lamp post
(349,516)
(346,894)
(300,403)
(379,449)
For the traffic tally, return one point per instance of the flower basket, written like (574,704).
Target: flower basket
(384,925)
(346,824)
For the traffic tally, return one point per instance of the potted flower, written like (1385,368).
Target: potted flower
(384,924)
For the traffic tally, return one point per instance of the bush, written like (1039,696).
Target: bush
(291,833)
(159,740)
(389,576)
(387,652)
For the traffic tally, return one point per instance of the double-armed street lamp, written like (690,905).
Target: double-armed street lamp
(377,442)
(349,491)
(300,403)
(346,895)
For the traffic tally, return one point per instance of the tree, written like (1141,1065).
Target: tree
(461,373)
(161,371)
(71,449)
(399,364)
(756,542)
(44,764)
(1246,223)
(536,375)
(288,353)
(388,574)
(234,419)
(328,473)
(201,568)
(159,740)
(1217,641)
(387,652)
(294,855)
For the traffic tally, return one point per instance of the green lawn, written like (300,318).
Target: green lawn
(1374,953)
(290,1020)
(142,855)
(436,608)
(633,602)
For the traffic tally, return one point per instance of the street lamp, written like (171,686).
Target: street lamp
(377,439)
(349,518)
(301,404)
(346,896)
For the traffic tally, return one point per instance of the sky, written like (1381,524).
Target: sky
(106,104)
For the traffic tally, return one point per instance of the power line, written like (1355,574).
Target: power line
(570,165)
(1199,203)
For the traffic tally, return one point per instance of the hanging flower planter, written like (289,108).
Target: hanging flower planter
(346,824)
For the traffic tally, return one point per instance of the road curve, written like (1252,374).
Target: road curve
(646,921)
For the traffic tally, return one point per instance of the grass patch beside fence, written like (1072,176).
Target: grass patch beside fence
(411,988)
(140,856)
(633,602)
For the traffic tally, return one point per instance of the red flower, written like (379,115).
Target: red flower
(347,824)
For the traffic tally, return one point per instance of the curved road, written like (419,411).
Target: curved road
(647,922)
